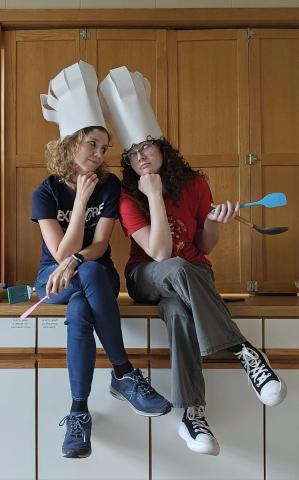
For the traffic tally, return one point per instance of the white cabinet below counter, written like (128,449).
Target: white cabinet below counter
(17,439)
(16,333)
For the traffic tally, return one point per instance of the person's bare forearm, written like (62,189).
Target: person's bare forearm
(208,237)
(72,240)
(160,238)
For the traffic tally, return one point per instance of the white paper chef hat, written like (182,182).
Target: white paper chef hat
(126,96)
(73,99)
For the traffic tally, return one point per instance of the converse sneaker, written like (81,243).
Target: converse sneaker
(270,389)
(195,430)
(77,438)
(136,390)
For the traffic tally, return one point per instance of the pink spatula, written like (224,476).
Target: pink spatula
(29,310)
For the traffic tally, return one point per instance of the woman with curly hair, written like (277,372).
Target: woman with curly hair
(166,209)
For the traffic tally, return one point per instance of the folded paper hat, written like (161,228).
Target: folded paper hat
(126,100)
(72,100)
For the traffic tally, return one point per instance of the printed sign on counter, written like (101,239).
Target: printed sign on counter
(16,333)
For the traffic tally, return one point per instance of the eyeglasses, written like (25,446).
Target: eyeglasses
(143,149)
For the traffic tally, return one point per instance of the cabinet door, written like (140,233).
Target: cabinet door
(17,336)
(251,328)
(17,404)
(32,58)
(282,422)
(138,50)
(52,334)
(119,439)
(274,126)
(208,121)
(282,427)
(236,419)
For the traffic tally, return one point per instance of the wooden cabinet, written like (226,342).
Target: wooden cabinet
(231,93)
(274,127)
(218,95)
(208,121)
(32,58)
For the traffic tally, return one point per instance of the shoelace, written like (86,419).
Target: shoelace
(142,383)
(77,423)
(197,417)
(255,367)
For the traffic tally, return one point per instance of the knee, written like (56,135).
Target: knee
(79,315)
(174,311)
(103,280)
(91,270)
(178,265)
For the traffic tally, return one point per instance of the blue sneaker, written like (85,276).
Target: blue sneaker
(77,438)
(136,390)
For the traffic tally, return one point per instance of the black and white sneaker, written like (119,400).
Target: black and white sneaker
(195,430)
(270,389)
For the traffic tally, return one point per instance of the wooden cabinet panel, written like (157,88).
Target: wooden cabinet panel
(230,261)
(274,126)
(32,58)
(206,92)
(276,258)
(139,50)
(208,121)
(39,57)
(28,245)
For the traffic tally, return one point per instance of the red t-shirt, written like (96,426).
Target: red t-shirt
(194,205)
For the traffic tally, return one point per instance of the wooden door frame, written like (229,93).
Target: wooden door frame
(150,18)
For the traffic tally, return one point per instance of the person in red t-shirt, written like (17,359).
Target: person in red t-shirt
(165,208)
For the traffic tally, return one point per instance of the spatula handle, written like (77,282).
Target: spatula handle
(242,220)
(33,307)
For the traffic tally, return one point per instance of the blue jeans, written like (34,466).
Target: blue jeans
(92,305)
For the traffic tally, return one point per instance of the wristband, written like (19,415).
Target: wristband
(78,257)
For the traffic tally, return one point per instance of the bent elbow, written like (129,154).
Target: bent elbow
(162,256)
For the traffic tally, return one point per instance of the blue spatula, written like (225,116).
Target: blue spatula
(271,200)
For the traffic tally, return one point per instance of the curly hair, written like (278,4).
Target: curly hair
(60,154)
(175,172)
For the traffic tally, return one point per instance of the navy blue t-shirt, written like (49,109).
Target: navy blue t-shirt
(54,199)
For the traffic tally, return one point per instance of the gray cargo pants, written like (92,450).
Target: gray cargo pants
(197,320)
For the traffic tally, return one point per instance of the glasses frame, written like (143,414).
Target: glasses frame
(149,141)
